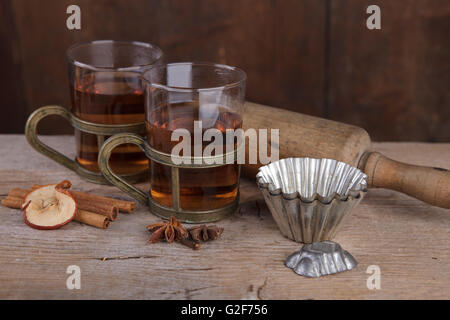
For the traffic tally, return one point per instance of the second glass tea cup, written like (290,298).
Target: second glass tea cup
(194,98)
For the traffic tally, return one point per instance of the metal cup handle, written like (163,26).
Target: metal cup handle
(98,129)
(103,162)
(38,145)
(175,162)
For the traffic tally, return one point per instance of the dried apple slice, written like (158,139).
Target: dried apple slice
(48,207)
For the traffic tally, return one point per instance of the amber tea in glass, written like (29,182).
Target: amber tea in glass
(177,95)
(106,88)
(201,189)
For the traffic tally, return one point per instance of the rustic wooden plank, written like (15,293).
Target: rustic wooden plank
(11,84)
(299,62)
(278,43)
(408,239)
(393,81)
(43,38)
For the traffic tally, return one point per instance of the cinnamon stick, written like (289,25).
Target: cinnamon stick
(104,209)
(18,192)
(83,203)
(83,216)
(12,202)
(122,205)
(92,219)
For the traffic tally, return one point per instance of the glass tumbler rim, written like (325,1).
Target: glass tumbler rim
(73,60)
(241,74)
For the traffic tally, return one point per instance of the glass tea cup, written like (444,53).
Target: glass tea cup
(105,88)
(107,97)
(185,101)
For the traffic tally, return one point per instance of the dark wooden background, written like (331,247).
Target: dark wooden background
(311,56)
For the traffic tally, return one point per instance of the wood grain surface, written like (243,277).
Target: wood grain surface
(388,81)
(406,238)
(311,56)
(257,35)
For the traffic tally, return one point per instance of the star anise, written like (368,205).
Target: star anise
(169,230)
(205,233)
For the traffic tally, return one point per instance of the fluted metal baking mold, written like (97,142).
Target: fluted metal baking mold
(311,179)
(309,198)
(320,259)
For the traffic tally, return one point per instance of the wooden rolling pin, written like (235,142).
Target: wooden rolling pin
(306,136)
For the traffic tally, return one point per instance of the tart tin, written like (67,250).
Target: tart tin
(320,259)
(309,198)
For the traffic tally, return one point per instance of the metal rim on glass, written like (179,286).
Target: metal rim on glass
(140,67)
(241,74)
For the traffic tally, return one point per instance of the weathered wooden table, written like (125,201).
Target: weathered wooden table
(407,239)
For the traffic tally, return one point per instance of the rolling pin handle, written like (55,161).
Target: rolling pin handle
(431,185)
